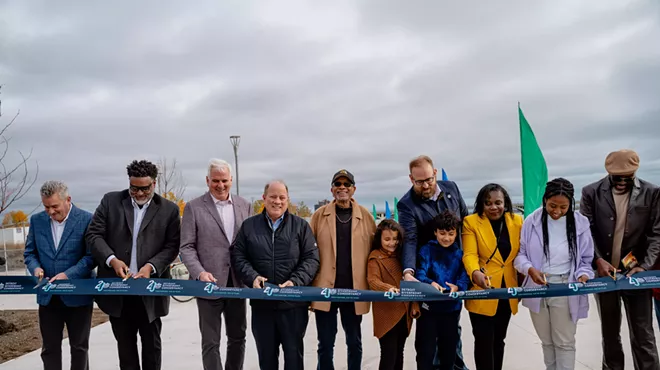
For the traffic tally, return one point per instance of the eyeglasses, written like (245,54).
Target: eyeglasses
(428,181)
(135,189)
(338,184)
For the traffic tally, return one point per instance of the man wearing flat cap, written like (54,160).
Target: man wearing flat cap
(344,232)
(624,211)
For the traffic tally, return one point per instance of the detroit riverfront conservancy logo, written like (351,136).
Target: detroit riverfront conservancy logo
(269,291)
(328,292)
(210,287)
(635,281)
(101,285)
(152,286)
(574,286)
(48,287)
(514,291)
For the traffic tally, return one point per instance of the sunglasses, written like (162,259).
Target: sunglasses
(618,178)
(136,189)
(338,184)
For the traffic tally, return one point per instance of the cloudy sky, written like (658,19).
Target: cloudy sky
(313,87)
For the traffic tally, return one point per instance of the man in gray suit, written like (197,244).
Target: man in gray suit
(135,233)
(210,223)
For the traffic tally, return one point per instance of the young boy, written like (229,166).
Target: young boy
(440,264)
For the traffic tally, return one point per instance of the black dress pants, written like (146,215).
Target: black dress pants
(134,320)
(489,334)
(274,327)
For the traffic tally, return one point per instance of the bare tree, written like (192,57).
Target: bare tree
(15,179)
(170,178)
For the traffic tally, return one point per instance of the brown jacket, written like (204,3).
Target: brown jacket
(324,228)
(642,236)
(385,272)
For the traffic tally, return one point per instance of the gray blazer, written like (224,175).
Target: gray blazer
(204,242)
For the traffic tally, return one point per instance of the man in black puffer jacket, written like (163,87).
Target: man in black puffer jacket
(279,248)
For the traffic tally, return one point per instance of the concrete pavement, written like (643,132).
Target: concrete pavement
(181,343)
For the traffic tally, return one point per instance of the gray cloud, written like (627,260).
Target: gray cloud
(312,88)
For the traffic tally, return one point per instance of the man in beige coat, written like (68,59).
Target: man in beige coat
(344,232)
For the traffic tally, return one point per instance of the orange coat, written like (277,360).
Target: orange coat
(384,272)
(323,225)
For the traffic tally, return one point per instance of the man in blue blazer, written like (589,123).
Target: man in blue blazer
(55,249)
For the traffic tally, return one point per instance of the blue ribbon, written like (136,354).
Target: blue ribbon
(410,291)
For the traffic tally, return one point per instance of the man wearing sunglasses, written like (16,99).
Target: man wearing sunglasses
(625,222)
(344,232)
(426,199)
(134,233)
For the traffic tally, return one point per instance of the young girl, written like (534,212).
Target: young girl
(441,265)
(556,247)
(392,320)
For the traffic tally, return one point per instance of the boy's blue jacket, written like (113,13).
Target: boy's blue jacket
(442,265)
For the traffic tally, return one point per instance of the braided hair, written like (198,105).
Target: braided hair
(560,186)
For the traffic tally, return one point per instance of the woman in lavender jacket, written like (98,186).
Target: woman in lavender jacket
(556,249)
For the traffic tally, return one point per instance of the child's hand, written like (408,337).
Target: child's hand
(453,288)
(393,290)
(438,287)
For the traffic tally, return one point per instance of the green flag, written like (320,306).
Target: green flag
(375,214)
(396,213)
(534,169)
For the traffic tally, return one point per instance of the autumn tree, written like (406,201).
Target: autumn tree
(179,202)
(14,218)
(303,210)
(257,206)
(170,178)
(293,209)
(15,179)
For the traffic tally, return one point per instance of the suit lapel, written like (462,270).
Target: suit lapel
(514,237)
(607,194)
(69,226)
(330,215)
(428,207)
(49,234)
(357,218)
(489,239)
(210,206)
(149,215)
(128,213)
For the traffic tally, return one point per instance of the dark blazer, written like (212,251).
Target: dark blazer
(111,232)
(642,235)
(415,214)
(204,242)
(71,257)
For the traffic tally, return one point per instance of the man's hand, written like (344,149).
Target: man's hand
(60,276)
(120,267)
(634,271)
(408,276)
(438,287)
(259,282)
(145,272)
(286,284)
(583,279)
(479,278)
(207,277)
(604,268)
(453,288)
(39,272)
(536,276)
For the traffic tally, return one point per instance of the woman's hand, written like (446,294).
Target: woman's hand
(536,276)
(393,290)
(453,288)
(480,279)
(583,278)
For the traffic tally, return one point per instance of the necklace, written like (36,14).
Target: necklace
(342,221)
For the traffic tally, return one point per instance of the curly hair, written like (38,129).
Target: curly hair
(142,168)
(387,224)
(446,220)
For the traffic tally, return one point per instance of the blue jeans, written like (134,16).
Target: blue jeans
(326,328)
(459,364)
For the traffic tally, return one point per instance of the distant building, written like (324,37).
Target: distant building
(320,204)
(14,235)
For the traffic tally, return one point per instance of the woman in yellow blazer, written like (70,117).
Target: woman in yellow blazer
(491,240)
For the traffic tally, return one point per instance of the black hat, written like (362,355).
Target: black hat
(343,173)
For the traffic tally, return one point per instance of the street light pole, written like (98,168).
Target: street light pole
(235,140)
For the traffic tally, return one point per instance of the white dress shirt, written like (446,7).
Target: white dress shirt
(225,210)
(57,228)
(138,216)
